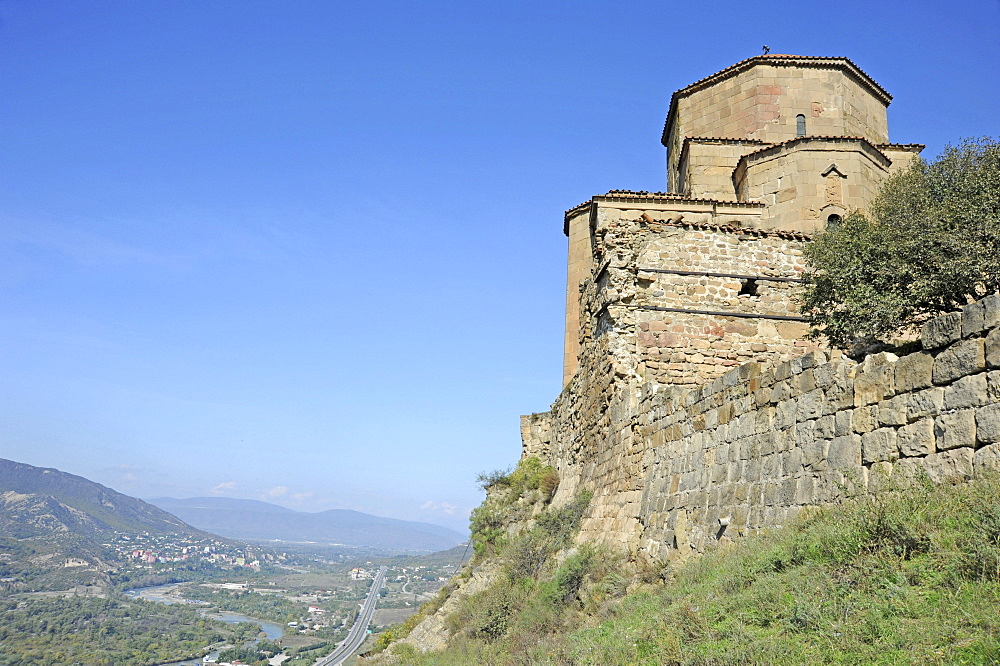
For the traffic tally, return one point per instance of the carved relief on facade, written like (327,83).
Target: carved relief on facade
(834,186)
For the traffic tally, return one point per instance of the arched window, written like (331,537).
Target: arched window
(833,221)
(800,125)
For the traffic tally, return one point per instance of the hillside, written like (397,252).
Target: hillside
(910,576)
(54,527)
(253,520)
(39,501)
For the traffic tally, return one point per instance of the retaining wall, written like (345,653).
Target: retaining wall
(669,465)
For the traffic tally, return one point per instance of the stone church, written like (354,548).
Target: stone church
(694,407)
(701,278)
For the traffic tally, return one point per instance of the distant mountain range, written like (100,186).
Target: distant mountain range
(61,515)
(252,520)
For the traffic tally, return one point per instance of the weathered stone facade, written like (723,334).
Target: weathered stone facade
(673,469)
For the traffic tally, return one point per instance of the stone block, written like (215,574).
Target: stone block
(839,396)
(784,440)
(942,330)
(954,430)
(791,461)
(824,375)
(814,454)
(906,470)
(825,427)
(864,419)
(879,476)
(783,371)
(810,405)
(916,439)
(956,464)
(972,319)
(874,381)
(805,432)
(929,402)
(993,385)
(804,489)
(784,415)
(761,397)
(892,412)
(780,392)
(811,360)
(965,358)
(993,348)
(842,422)
(803,382)
(845,452)
(991,311)
(986,459)
(771,490)
(768,443)
(966,392)
(988,423)
(786,492)
(879,446)
(913,372)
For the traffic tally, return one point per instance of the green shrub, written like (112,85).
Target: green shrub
(498,477)
(531,474)
(489,614)
(490,520)
(487,525)
(569,577)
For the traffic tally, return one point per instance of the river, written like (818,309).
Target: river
(164,594)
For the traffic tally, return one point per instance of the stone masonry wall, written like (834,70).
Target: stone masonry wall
(688,348)
(668,295)
(674,469)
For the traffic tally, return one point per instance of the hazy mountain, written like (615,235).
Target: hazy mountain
(260,521)
(38,501)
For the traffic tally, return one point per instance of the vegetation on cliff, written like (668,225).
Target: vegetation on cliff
(510,495)
(930,243)
(910,576)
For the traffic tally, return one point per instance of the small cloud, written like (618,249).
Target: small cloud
(277,491)
(302,497)
(447,508)
(126,473)
(224,487)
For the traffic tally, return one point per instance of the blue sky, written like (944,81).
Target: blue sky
(312,252)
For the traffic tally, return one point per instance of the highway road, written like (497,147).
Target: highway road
(360,628)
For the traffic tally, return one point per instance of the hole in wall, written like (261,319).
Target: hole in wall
(833,221)
(748,287)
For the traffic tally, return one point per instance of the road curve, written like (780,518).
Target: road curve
(356,636)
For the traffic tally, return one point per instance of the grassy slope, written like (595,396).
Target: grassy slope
(909,577)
